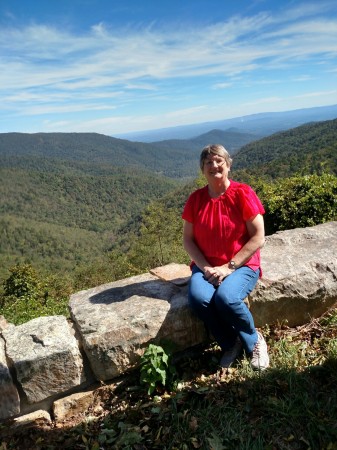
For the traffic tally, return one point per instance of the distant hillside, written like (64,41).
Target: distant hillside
(97,154)
(262,124)
(307,149)
(62,199)
(92,153)
(231,139)
(65,199)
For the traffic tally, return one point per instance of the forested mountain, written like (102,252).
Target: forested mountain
(92,153)
(63,197)
(232,139)
(96,153)
(310,148)
(66,199)
(262,124)
(83,211)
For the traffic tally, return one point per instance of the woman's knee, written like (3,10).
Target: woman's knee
(224,299)
(227,295)
(200,293)
(197,300)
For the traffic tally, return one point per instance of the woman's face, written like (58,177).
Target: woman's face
(215,168)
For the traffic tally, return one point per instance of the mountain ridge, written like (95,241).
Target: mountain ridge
(264,123)
(96,153)
(89,198)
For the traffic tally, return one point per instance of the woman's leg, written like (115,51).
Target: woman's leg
(201,299)
(229,303)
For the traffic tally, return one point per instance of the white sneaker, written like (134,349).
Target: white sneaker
(229,356)
(260,358)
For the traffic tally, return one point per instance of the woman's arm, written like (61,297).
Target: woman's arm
(210,273)
(191,247)
(255,227)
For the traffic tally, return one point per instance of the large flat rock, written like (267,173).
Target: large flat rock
(117,321)
(299,276)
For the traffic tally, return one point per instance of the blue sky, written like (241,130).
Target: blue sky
(114,67)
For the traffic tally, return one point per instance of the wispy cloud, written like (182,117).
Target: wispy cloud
(47,69)
(318,94)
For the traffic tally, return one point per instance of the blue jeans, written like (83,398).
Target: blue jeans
(222,308)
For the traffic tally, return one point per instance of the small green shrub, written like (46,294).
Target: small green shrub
(22,283)
(27,295)
(156,368)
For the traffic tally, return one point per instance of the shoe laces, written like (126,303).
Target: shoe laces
(256,349)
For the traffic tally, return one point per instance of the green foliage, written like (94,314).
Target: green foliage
(94,153)
(159,240)
(332,349)
(300,201)
(26,295)
(110,267)
(53,247)
(156,368)
(22,283)
(92,209)
(59,217)
(95,203)
(308,149)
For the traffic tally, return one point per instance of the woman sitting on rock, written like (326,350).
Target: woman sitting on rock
(223,234)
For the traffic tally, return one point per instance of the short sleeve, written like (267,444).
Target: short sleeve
(188,210)
(251,204)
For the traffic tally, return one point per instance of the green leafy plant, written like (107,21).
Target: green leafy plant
(156,368)
(23,282)
(27,295)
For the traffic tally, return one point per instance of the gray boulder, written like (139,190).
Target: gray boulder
(45,356)
(10,400)
(117,321)
(299,276)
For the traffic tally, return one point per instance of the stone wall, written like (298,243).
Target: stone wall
(50,358)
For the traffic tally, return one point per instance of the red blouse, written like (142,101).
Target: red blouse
(219,224)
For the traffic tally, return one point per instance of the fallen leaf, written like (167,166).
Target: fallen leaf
(193,423)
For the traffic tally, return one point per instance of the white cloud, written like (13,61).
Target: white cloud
(222,85)
(318,94)
(189,112)
(53,55)
(49,70)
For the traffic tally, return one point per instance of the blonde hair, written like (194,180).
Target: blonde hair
(214,149)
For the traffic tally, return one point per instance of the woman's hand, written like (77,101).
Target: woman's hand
(215,275)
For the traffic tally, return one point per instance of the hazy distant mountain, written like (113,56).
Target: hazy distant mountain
(232,139)
(262,124)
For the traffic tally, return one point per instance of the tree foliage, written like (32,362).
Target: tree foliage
(308,149)
(299,201)
(79,210)
(22,283)
(27,295)
(159,240)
